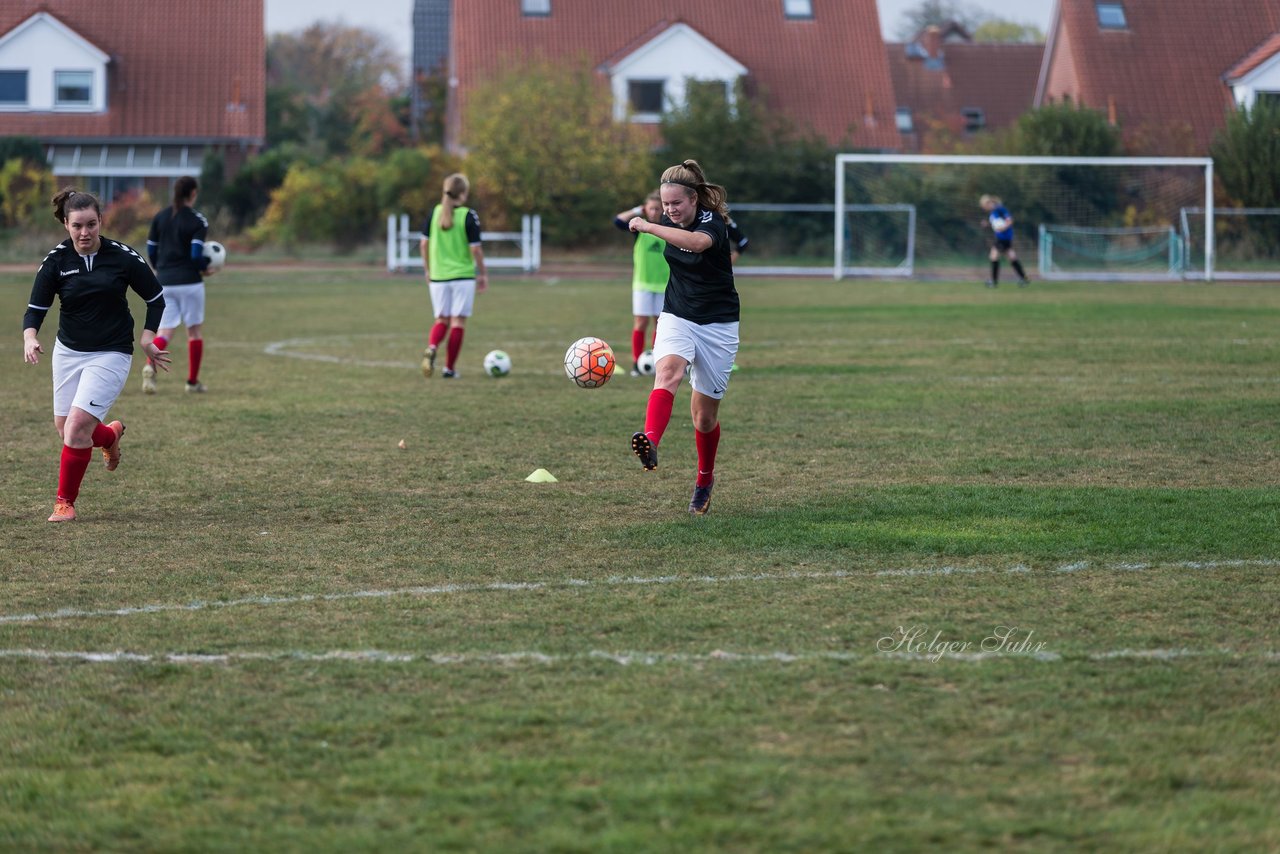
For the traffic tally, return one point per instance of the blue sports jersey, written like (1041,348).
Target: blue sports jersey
(1001,212)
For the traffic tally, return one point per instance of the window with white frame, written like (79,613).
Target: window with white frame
(535,8)
(646,96)
(797,9)
(902,118)
(13,88)
(975,119)
(1111,16)
(73,88)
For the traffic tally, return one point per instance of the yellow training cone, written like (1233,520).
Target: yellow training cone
(542,476)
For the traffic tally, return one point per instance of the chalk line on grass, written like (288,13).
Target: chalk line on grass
(625,658)
(581,583)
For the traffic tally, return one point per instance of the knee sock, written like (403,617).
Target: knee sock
(707,444)
(1017,268)
(995,271)
(195,351)
(637,344)
(455,344)
(75,461)
(103,436)
(437,333)
(658,414)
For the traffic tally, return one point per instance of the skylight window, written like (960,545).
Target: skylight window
(797,9)
(1111,16)
(536,8)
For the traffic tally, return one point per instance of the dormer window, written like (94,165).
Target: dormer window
(535,8)
(797,10)
(1111,16)
(646,96)
(13,88)
(73,88)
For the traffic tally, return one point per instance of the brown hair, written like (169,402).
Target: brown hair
(182,190)
(70,199)
(688,174)
(455,187)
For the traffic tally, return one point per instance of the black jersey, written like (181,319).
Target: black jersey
(93,292)
(736,236)
(701,289)
(170,243)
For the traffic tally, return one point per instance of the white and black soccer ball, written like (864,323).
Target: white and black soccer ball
(216,253)
(646,363)
(497,363)
(999,224)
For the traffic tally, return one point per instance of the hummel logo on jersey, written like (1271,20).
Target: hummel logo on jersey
(128,249)
(67,272)
(705,216)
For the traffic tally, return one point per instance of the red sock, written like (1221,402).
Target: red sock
(103,436)
(195,350)
(707,444)
(455,344)
(658,415)
(75,461)
(161,342)
(637,344)
(437,333)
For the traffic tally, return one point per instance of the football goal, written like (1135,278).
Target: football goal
(1096,218)
(1246,242)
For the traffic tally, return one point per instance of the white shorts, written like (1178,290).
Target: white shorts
(88,381)
(183,304)
(453,299)
(646,303)
(709,349)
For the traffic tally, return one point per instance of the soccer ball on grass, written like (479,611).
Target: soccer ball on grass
(646,364)
(497,363)
(589,362)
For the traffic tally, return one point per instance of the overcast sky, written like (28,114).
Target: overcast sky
(392,17)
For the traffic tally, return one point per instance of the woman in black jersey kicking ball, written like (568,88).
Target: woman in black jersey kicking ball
(90,275)
(698,327)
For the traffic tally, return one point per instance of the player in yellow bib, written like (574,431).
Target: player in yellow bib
(649,275)
(454,264)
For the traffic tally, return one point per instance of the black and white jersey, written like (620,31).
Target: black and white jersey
(170,243)
(737,238)
(701,286)
(92,291)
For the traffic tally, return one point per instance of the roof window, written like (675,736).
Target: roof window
(1111,16)
(535,8)
(794,10)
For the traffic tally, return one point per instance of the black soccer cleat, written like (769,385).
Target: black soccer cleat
(700,503)
(645,450)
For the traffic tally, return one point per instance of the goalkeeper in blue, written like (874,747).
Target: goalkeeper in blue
(1000,221)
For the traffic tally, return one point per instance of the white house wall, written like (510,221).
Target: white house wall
(675,55)
(1264,78)
(42,47)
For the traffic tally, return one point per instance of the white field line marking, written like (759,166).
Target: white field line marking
(615,581)
(294,348)
(622,658)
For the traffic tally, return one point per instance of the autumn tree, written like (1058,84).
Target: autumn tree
(545,135)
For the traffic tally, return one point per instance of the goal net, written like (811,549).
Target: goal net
(1105,218)
(1246,242)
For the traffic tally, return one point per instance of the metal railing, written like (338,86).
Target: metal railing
(403,253)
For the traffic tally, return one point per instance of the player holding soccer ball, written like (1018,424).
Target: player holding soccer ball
(648,277)
(175,246)
(454,263)
(1001,223)
(90,276)
(698,326)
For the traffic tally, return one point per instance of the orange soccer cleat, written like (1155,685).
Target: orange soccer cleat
(111,453)
(63,511)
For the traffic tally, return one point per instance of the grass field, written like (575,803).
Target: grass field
(273,629)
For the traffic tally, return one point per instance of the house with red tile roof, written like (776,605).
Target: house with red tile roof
(1257,77)
(947,87)
(821,64)
(130,92)
(1154,67)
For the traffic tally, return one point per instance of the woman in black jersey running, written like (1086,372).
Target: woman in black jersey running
(698,327)
(90,275)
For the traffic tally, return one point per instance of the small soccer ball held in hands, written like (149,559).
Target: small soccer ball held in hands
(589,362)
(999,224)
(497,363)
(216,253)
(646,364)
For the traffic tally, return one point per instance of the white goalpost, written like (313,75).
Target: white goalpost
(1095,218)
